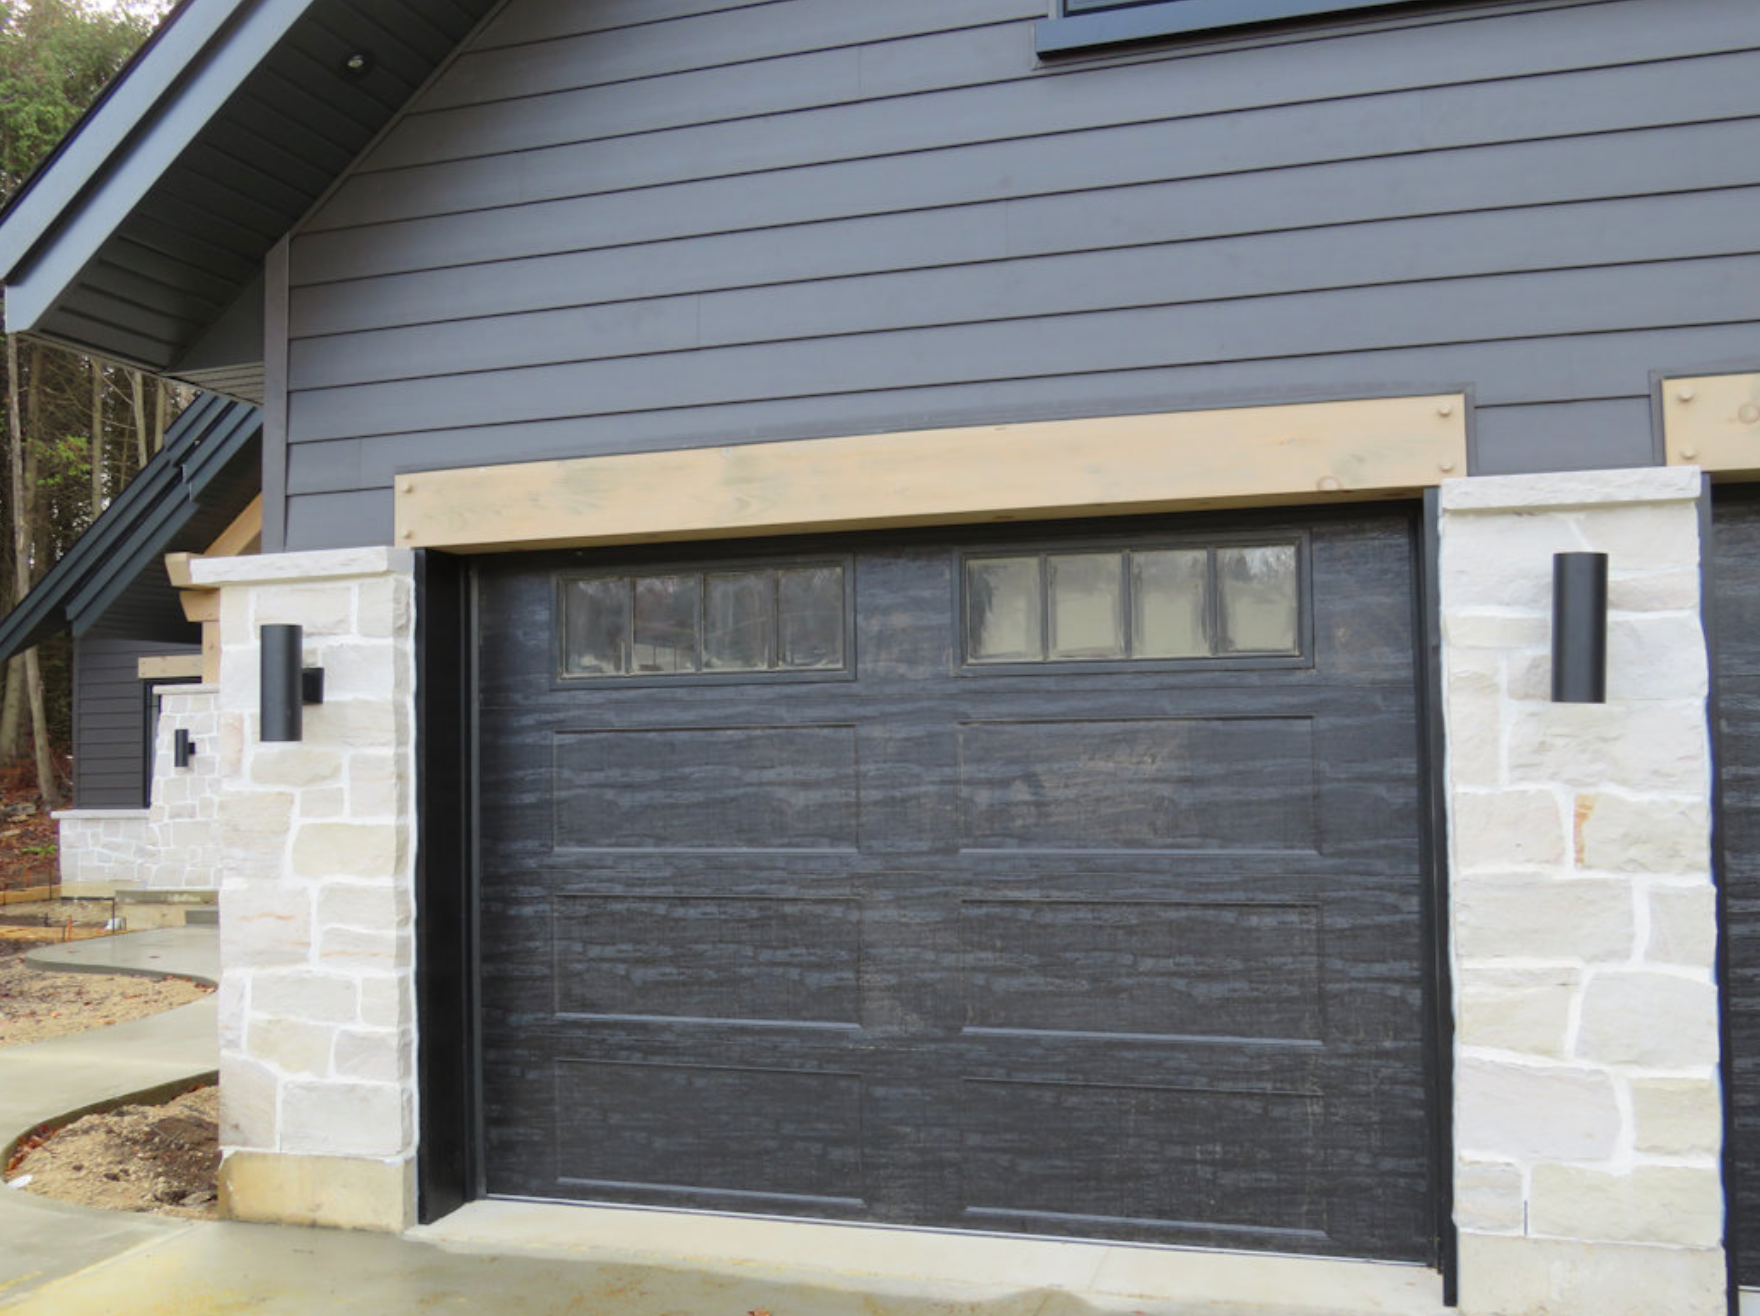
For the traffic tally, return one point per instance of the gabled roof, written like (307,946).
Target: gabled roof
(142,238)
(112,581)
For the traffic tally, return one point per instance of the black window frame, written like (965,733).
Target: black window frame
(1084,25)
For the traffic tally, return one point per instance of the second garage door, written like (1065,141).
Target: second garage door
(1065,883)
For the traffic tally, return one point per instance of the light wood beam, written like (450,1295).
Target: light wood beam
(1713,422)
(1307,453)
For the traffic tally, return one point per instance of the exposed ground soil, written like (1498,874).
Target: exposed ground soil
(35,1005)
(137,1158)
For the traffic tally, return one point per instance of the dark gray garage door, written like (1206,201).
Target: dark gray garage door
(1067,883)
(1736,627)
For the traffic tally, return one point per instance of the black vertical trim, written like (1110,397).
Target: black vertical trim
(1433,836)
(1732,1223)
(445,1002)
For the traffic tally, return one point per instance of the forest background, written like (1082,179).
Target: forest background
(77,428)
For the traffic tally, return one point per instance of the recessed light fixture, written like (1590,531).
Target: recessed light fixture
(357,64)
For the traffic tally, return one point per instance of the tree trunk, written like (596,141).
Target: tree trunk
(97,438)
(47,785)
(12,712)
(137,387)
(159,413)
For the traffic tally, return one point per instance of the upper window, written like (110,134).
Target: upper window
(1085,24)
(1149,602)
(707,622)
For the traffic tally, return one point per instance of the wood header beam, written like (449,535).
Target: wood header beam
(169,667)
(244,535)
(1713,422)
(1306,453)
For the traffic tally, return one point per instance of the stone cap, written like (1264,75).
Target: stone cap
(1562,489)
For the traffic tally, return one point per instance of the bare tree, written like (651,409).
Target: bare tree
(47,785)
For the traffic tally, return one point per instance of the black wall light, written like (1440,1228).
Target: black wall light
(1579,628)
(183,748)
(286,686)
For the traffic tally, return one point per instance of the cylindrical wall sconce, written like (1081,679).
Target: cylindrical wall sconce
(1579,628)
(183,748)
(286,685)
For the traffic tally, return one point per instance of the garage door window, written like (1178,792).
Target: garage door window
(691,623)
(1154,602)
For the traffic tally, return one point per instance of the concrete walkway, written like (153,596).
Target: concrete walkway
(522,1259)
(48,1081)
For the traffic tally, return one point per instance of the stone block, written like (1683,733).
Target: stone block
(1658,747)
(1656,656)
(376,788)
(1649,1204)
(1655,591)
(1528,677)
(337,1192)
(353,724)
(296,764)
(293,1046)
(1597,490)
(334,849)
(386,607)
(1646,536)
(363,670)
(1489,1197)
(1536,917)
(304,994)
(1677,1116)
(380,907)
(1505,561)
(1475,742)
(1507,828)
(1483,628)
(387,1000)
(1638,834)
(334,1118)
(256,814)
(265,924)
(1502,1276)
(352,950)
(231,1003)
(1520,1010)
(320,609)
(1656,1020)
(1683,926)
(249,1093)
(380,1056)
(324,802)
(1531,1113)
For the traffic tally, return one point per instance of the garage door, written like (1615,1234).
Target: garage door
(1736,628)
(1065,883)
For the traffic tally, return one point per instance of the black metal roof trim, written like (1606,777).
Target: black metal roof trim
(143,523)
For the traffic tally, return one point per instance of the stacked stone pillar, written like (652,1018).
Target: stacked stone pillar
(1586,1105)
(317,1017)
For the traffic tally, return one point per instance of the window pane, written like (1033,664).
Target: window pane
(1259,607)
(666,624)
(739,622)
(1087,605)
(811,612)
(1169,612)
(1003,610)
(595,627)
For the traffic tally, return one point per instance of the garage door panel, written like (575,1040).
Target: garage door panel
(1146,783)
(724,787)
(1095,1158)
(1149,968)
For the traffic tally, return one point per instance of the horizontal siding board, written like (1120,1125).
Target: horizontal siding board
(1579,436)
(1469,176)
(1526,175)
(1204,81)
(1453,311)
(712,39)
(1506,374)
(109,720)
(1539,241)
(1019,115)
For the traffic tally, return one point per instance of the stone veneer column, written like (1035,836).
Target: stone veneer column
(183,838)
(317,1015)
(1587,1125)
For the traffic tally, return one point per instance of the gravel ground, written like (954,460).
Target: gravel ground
(136,1158)
(36,1005)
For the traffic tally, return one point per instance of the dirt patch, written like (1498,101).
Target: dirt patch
(35,1005)
(162,1159)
